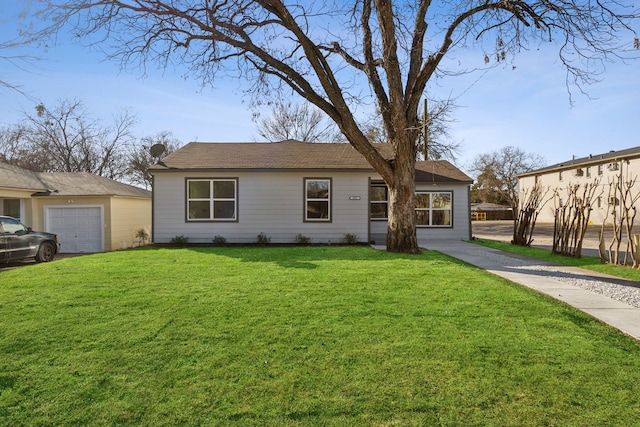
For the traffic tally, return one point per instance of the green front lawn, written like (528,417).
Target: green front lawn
(330,336)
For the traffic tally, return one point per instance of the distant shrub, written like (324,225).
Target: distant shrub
(302,240)
(350,239)
(219,241)
(179,240)
(263,239)
(142,235)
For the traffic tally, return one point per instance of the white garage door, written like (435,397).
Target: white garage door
(79,229)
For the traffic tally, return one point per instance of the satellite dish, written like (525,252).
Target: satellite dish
(157,150)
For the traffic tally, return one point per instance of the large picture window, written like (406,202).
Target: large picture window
(433,209)
(317,199)
(211,199)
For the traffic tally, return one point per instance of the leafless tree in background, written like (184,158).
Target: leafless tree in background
(524,218)
(497,179)
(571,217)
(622,197)
(65,138)
(339,55)
(12,149)
(301,122)
(140,157)
(439,142)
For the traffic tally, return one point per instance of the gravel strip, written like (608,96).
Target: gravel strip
(627,294)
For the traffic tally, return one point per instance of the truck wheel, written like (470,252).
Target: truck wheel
(46,252)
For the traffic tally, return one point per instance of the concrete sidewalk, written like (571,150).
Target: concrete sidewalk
(550,279)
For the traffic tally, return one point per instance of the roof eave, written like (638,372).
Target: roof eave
(592,160)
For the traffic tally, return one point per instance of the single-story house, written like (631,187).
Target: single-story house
(604,168)
(89,213)
(293,189)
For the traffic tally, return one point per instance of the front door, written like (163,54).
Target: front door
(378,212)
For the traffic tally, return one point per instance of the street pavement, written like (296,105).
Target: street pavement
(542,235)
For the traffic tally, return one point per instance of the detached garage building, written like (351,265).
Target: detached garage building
(89,213)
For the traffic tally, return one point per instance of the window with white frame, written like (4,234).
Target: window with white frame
(433,209)
(212,199)
(379,199)
(317,199)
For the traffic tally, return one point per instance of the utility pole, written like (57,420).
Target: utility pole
(425,130)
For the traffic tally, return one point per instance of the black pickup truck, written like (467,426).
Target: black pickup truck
(18,242)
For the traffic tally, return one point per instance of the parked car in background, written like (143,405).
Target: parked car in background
(18,242)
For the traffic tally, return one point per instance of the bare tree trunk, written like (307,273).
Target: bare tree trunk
(524,221)
(614,246)
(621,200)
(401,233)
(572,219)
(628,201)
(602,252)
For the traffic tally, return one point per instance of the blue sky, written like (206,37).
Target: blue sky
(526,106)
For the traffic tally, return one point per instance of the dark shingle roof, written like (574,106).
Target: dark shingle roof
(65,183)
(292,155)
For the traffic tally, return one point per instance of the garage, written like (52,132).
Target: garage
(79,228)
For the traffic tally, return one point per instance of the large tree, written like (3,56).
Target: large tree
(488,188)
(335,54)
(15,62)
(497,174)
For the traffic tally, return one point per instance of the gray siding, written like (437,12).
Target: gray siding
(461,229)
(268,202)
(273,203)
